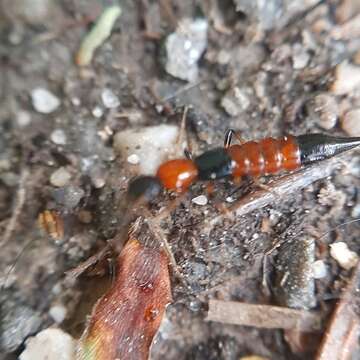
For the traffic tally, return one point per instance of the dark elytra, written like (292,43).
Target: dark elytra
(214,164)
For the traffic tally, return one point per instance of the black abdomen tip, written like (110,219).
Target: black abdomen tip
(316,147)
(147,187)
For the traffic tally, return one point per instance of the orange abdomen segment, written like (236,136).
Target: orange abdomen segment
(268,156)
(177,174)
(291,152)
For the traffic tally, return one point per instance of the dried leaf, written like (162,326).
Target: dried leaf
(125,320)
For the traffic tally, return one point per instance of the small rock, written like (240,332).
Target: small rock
(50,344)
(346,258)
(44,101)
(85,216)
(347,79)
(266,13)
(200,200)
(324,109)
(12,335)
(60,177)
(68,196)
(75,101)
(152,144)
(133,159)
(98,177)
(58,137)
(9,178)
(23,118)
(300,57)
(355,212)
(319,269)
(184,48)
(58,313)
(109,99)
(98,112)
(351,122)
(223,57)
(235,101)
(295,286)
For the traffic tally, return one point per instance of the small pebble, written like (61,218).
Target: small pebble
(235,101)
(319,269)
(44,101)
(351,122)
(184,48)
(58,313)
(324,109)
(75,101)
(97,176)
(152,144)
(85,216)
(200,200)
(58,137)
(109,99)
(60,177)
(347,79)
(68,196)
(23,118)
(133,159)
(346,258)
(49,344)
(98,112)
(355,213)
(300,57)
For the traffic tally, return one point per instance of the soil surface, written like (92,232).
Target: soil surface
(261,73)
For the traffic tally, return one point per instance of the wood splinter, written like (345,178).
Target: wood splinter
(263,316)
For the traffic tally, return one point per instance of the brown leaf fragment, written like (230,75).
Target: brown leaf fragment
(263,316)
(125,320)
(343,331)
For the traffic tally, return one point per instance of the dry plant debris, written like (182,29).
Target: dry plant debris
(98,34)
(125,320)
(341,337)
(263,316)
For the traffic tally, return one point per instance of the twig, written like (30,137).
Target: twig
(280,190)
(263,316)
(19,203)
(344,327)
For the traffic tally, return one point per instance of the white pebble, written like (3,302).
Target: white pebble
(346,258)
(200,200)
(300,57)
(319,269)
(75,101)
(49,344)
(324,109)
(58,313)
(133,159)
(58,137)
(23,118)
(60,177)
(152,144)
(355,213)
(351,122)
(109,99)
(44,101)
(347,79)
(98,112)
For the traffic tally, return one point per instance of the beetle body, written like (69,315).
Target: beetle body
(252,158)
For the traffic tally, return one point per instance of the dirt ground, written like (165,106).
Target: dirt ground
(261,72)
